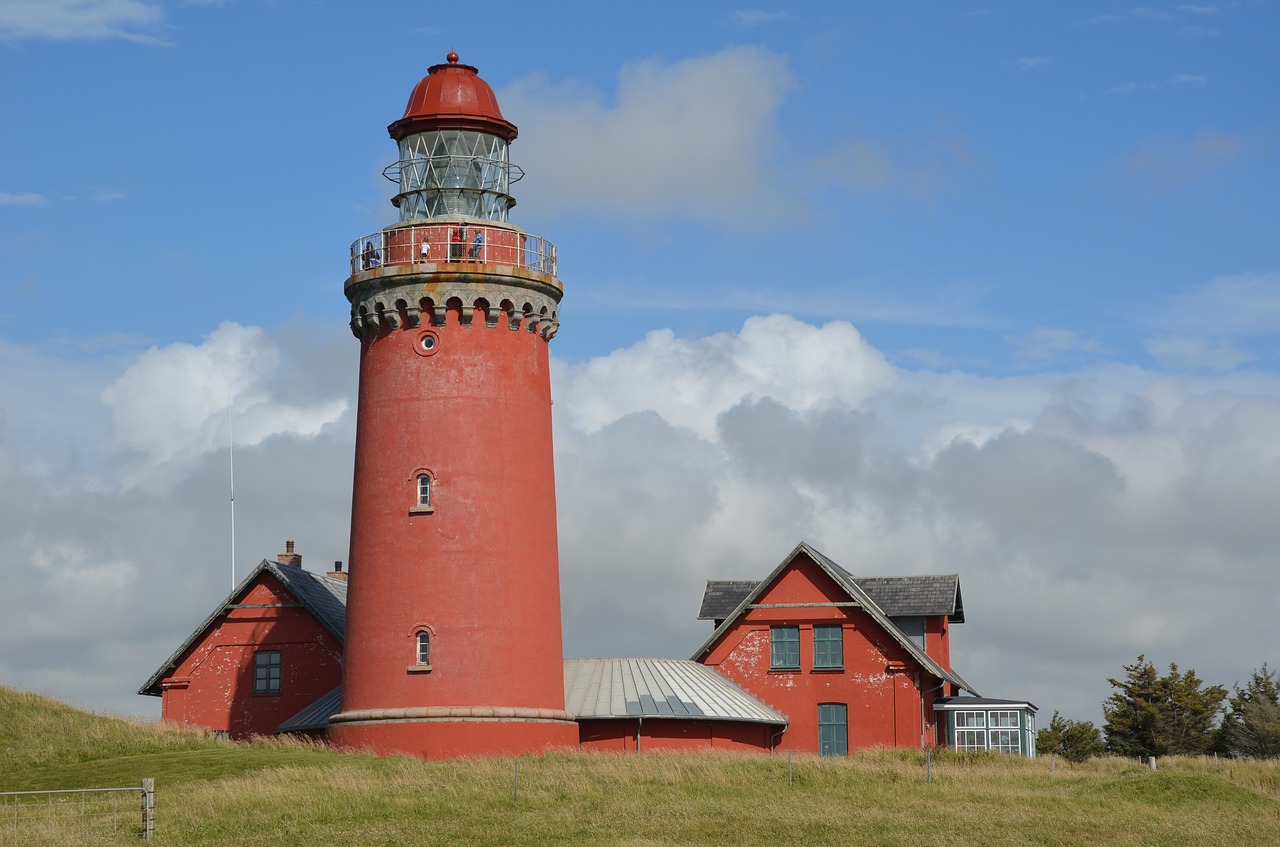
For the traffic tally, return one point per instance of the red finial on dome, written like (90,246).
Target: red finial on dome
(453,96)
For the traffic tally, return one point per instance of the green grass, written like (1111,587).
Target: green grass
(212,792)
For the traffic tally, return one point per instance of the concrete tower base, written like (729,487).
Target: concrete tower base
(439,732)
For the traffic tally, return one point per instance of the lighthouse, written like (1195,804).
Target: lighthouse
(453,638)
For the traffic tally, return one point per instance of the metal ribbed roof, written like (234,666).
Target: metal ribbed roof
(315,716)
(658,688)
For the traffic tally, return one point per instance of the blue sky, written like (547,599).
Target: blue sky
(987,289)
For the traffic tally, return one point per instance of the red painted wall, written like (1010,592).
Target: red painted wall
(619,735)
(212,687)
(883,705)
(481,571)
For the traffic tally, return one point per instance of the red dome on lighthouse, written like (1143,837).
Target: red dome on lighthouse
(453,96)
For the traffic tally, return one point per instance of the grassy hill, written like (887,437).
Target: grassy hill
(212,792)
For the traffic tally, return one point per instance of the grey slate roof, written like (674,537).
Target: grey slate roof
(657,688)
(897,596)
(325,598)
(315,716)
(847,583)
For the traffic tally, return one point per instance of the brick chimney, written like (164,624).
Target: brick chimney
(337,572)
(288,557)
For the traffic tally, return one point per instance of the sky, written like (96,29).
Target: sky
(987,289)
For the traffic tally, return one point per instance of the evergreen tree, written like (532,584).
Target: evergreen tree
(1075,741)
(1151,715)
(1252,723)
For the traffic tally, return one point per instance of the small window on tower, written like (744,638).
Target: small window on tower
(423,483)
(421,650)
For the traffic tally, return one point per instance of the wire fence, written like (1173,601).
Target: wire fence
(77,815)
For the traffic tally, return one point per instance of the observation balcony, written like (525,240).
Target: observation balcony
(453,242)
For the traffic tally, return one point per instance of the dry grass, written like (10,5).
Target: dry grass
(279,794)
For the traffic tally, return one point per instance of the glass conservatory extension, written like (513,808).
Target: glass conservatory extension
(984,723)
(453,173)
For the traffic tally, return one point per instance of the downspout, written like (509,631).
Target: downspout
(639,726)
(773,740)
(922,720)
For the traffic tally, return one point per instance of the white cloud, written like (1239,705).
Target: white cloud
(1188,79)
(756,17)
(171,406)
(1239,304)
(693,137)
(793,363)
(1044,343)
(1195,352)
(26,199)
(67,20)
(1091,515)
(921,170)
(1027,63)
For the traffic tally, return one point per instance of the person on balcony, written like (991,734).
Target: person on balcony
(456,239)
(477,246)
(425,254)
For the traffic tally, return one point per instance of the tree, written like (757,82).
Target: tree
(1152,715)
(1251,726)
(1075,741)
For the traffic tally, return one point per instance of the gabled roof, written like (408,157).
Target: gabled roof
(897,596)
(323,597)
(855,593)
(657,688)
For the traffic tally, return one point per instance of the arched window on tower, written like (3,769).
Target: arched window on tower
(423,496)
(424,648)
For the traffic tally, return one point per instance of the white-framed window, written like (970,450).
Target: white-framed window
(423,648)
(971,730)
(424,489)
(1005,735)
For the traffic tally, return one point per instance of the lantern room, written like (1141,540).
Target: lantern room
(454,143)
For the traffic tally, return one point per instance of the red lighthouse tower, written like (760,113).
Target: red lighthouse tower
(453,640)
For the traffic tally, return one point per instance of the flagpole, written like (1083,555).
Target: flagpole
(231,457)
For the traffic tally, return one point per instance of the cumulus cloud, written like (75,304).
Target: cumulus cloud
(171,405)
(690,137)
(69,20)
(1092,515)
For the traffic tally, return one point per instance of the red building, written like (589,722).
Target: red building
(848,670)
(268,651)
(446,641)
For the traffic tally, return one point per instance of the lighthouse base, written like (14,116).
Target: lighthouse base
(453,732)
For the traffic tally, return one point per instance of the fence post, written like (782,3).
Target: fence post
(148,808)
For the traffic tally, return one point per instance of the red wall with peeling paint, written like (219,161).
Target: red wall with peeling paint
(883,705)
(212,687)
